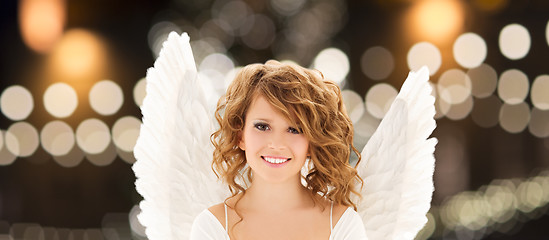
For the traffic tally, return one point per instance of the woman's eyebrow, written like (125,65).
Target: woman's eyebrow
(262,119)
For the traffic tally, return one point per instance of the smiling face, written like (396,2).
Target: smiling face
(275,150)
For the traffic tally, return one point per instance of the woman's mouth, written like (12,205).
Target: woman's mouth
(275,160)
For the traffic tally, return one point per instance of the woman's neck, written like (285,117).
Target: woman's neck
(280,196)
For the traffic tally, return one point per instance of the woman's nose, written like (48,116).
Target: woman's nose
(276,141)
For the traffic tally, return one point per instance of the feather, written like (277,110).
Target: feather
(398,164)
(173,150)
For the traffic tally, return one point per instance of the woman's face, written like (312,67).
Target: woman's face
(275,150)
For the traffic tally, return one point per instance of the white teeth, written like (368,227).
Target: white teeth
(275,160)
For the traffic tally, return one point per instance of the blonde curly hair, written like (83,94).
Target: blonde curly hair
(307,100)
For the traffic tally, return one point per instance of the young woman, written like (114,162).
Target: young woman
(275,119)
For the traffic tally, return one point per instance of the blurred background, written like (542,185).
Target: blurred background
(72,80)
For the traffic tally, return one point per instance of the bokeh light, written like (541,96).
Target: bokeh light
(470,50)
(127,157)
(60,100)
(261,33)
(93,136)
(513,86)
(158,33)
(377,63)
(80,55)
(379,99)
(514,41)
(484,80)
(57,138)
(353,104)
(486,111)
(460,110)
(547,32)
(106,97)
(454,86)
(21,139)
(6,157)
(333,63)
(140,91)
(514,118)
(539,123)
(234,13)
(41,23)
(125,132)
(424,54)
(103,158)
(437,21)
(287,7)
(16,103)
(218,62)
(74,157)
(540,92)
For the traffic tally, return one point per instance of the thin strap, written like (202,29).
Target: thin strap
(226,219)
(331,208)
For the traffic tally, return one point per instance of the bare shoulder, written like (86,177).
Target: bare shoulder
(218,211)
(337,212)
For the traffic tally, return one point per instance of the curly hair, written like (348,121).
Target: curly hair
(307,100)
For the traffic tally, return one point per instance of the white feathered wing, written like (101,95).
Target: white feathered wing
(398,164)
(173,150)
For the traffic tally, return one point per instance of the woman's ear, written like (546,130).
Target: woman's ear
(241,143)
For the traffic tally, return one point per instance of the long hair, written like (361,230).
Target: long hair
(306,99)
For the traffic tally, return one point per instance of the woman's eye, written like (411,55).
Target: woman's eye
(261,126)
(293,130)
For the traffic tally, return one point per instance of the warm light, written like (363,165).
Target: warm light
(514,41)
(125,132)
(333,63)
(353,104)
(104,158)
(93,136)
(79,55)
(379,99)
(540,92)
(547,32)
(57,138)
(41,23)
(71,159)
(60,100)
(539,123)
(16,103)
(513,86)
(514,118)
(484,80)
(424,54)
(106,97)
(377,63)
(140,91)
(6,157)
(22,139)
(470,50)
(461,110)
(454,86)
(436,20)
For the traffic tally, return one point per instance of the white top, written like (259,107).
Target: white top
(349,227)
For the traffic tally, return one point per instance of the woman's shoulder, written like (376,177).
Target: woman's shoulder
(207,226)
(218,211)
(349,226)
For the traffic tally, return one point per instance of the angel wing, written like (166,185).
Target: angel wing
(173,150)
(398,164)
